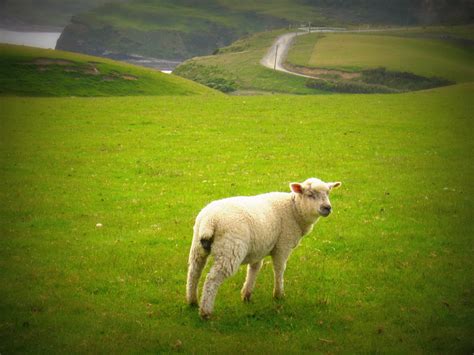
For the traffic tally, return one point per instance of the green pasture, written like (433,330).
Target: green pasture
(426,56)
(28,71)
(390,271)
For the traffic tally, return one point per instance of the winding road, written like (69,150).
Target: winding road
(284,43)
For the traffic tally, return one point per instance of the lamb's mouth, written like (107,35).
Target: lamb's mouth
(324,212)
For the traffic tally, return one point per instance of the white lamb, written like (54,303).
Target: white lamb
(243,230)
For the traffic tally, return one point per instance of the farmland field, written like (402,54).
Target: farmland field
(419,55)
(390,271)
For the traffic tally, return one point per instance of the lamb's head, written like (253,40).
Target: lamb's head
(312,197)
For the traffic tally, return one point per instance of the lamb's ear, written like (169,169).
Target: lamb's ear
(296,188)
(334,185)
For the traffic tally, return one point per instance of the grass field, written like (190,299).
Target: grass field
(424,56)
(390,271)
(31,71)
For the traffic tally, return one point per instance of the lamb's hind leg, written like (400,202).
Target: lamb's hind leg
(228,257)
(252,271)
(197,261)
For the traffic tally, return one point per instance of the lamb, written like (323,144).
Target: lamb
(245,229)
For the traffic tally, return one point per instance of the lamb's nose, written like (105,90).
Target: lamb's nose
(326,209)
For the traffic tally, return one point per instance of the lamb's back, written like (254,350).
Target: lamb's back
(258,215)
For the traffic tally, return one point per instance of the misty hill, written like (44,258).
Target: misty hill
(397,12)
(180,29)
(56,13)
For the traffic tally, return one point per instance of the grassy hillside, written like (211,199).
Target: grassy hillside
(238,66)
(41,72)
(180,29)
(390,271)
(447,58)
(163,28)
(414,50)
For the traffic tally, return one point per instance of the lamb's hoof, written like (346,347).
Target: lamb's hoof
(204,315)
(246,296)
(278,296)
(193,302)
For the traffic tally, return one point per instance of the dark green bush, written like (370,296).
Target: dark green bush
(209,75)
(402,81)
(353,87)
(220,84)
(379,80)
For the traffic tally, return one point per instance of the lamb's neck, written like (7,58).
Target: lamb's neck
(305,223)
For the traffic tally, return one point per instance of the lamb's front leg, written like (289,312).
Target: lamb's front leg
(279,265)
(252,271)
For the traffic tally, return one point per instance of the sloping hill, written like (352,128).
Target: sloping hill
(180,29)
(238,67)
(162,28)
(30,71)
(415,58)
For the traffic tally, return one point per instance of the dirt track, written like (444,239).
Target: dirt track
(284,43)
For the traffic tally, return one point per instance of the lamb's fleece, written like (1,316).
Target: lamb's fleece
(243,230)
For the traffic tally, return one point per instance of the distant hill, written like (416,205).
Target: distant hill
(400,12)
(180,29)
(407,59)
(55,13)
(26,71)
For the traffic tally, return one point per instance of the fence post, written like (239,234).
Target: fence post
(276,54)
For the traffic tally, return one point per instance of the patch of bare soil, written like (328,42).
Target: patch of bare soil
(129,77)
(51,61)
(42,64)
(90,68)
(319,73)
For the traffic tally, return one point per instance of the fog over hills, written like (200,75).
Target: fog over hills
(48,13)
(180,29)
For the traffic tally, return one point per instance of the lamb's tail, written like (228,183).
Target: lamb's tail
(205,235)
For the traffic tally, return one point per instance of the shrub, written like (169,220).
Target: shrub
(209,75)
(402,81)
(220,84)
(354,87)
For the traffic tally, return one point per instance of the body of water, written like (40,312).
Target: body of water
(32,39)
(49,39)
(164,65)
